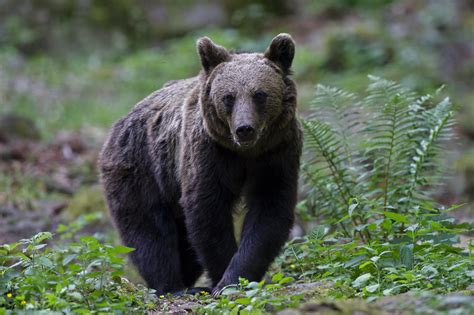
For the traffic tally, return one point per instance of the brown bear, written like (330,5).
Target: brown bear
(176,166)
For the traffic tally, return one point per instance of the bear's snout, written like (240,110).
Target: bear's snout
(245,134)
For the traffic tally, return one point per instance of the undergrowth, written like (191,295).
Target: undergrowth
(371,165)
(81,275)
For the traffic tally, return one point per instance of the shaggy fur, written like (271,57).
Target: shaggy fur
(174,168)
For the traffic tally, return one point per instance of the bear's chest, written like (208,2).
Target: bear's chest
(233,177)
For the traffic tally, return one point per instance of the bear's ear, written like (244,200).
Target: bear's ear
(211,54)
(281,51)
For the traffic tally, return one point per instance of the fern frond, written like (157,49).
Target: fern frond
(384,150)
(438,124)
(342,110)
(389,128)
(322,141)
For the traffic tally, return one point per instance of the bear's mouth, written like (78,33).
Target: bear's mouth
(245,144)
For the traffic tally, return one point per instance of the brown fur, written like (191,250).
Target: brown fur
(174,168)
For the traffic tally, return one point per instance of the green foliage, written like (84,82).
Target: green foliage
(82,276)
(24,28)
(371,164)
(251,298)
(20,189)
(359,50)
(372,156)
(342,6)
(428,262)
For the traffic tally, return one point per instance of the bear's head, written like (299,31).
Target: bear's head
(247,99)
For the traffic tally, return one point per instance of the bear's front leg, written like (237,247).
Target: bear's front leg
(271,199)
(207,205)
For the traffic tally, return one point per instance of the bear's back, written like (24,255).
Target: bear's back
(146,140)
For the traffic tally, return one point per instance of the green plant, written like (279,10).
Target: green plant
(384,268)
(374,158)
(82,276)
(252,298)
(371,165)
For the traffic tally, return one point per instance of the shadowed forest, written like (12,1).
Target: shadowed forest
(386,198)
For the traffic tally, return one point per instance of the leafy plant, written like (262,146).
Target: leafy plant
(373,158)
(371,165)
(80,276)
(379,268)
(252,298)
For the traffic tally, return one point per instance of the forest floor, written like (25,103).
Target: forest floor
(316,302)
(44,183)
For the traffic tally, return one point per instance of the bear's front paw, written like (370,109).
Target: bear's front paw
(223,284)
(216,291)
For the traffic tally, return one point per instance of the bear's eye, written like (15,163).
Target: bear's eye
(228,100)
(260,97)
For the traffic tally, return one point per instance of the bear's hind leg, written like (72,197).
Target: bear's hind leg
(149,226)
(191,268)
(156,254)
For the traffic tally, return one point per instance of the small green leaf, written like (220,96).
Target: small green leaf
(406,256)
(69,258)
(412,227)
(75,295)
(243,301)
(40,246)
(351,209)
(388,291)
(354,261)
(365,264)
(395,216)
(229,290)
(372,288)
(429,271)
(251,293)
(120,249)
(277,277)
(44,261)
(75,267)
(456,266)
(286,280)
(361,280)
(375,258)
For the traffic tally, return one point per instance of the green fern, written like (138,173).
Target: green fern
(387,132)
(341,109)
(330,180)
(364,155)
(426,163)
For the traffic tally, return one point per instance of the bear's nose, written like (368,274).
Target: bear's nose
(245,133)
